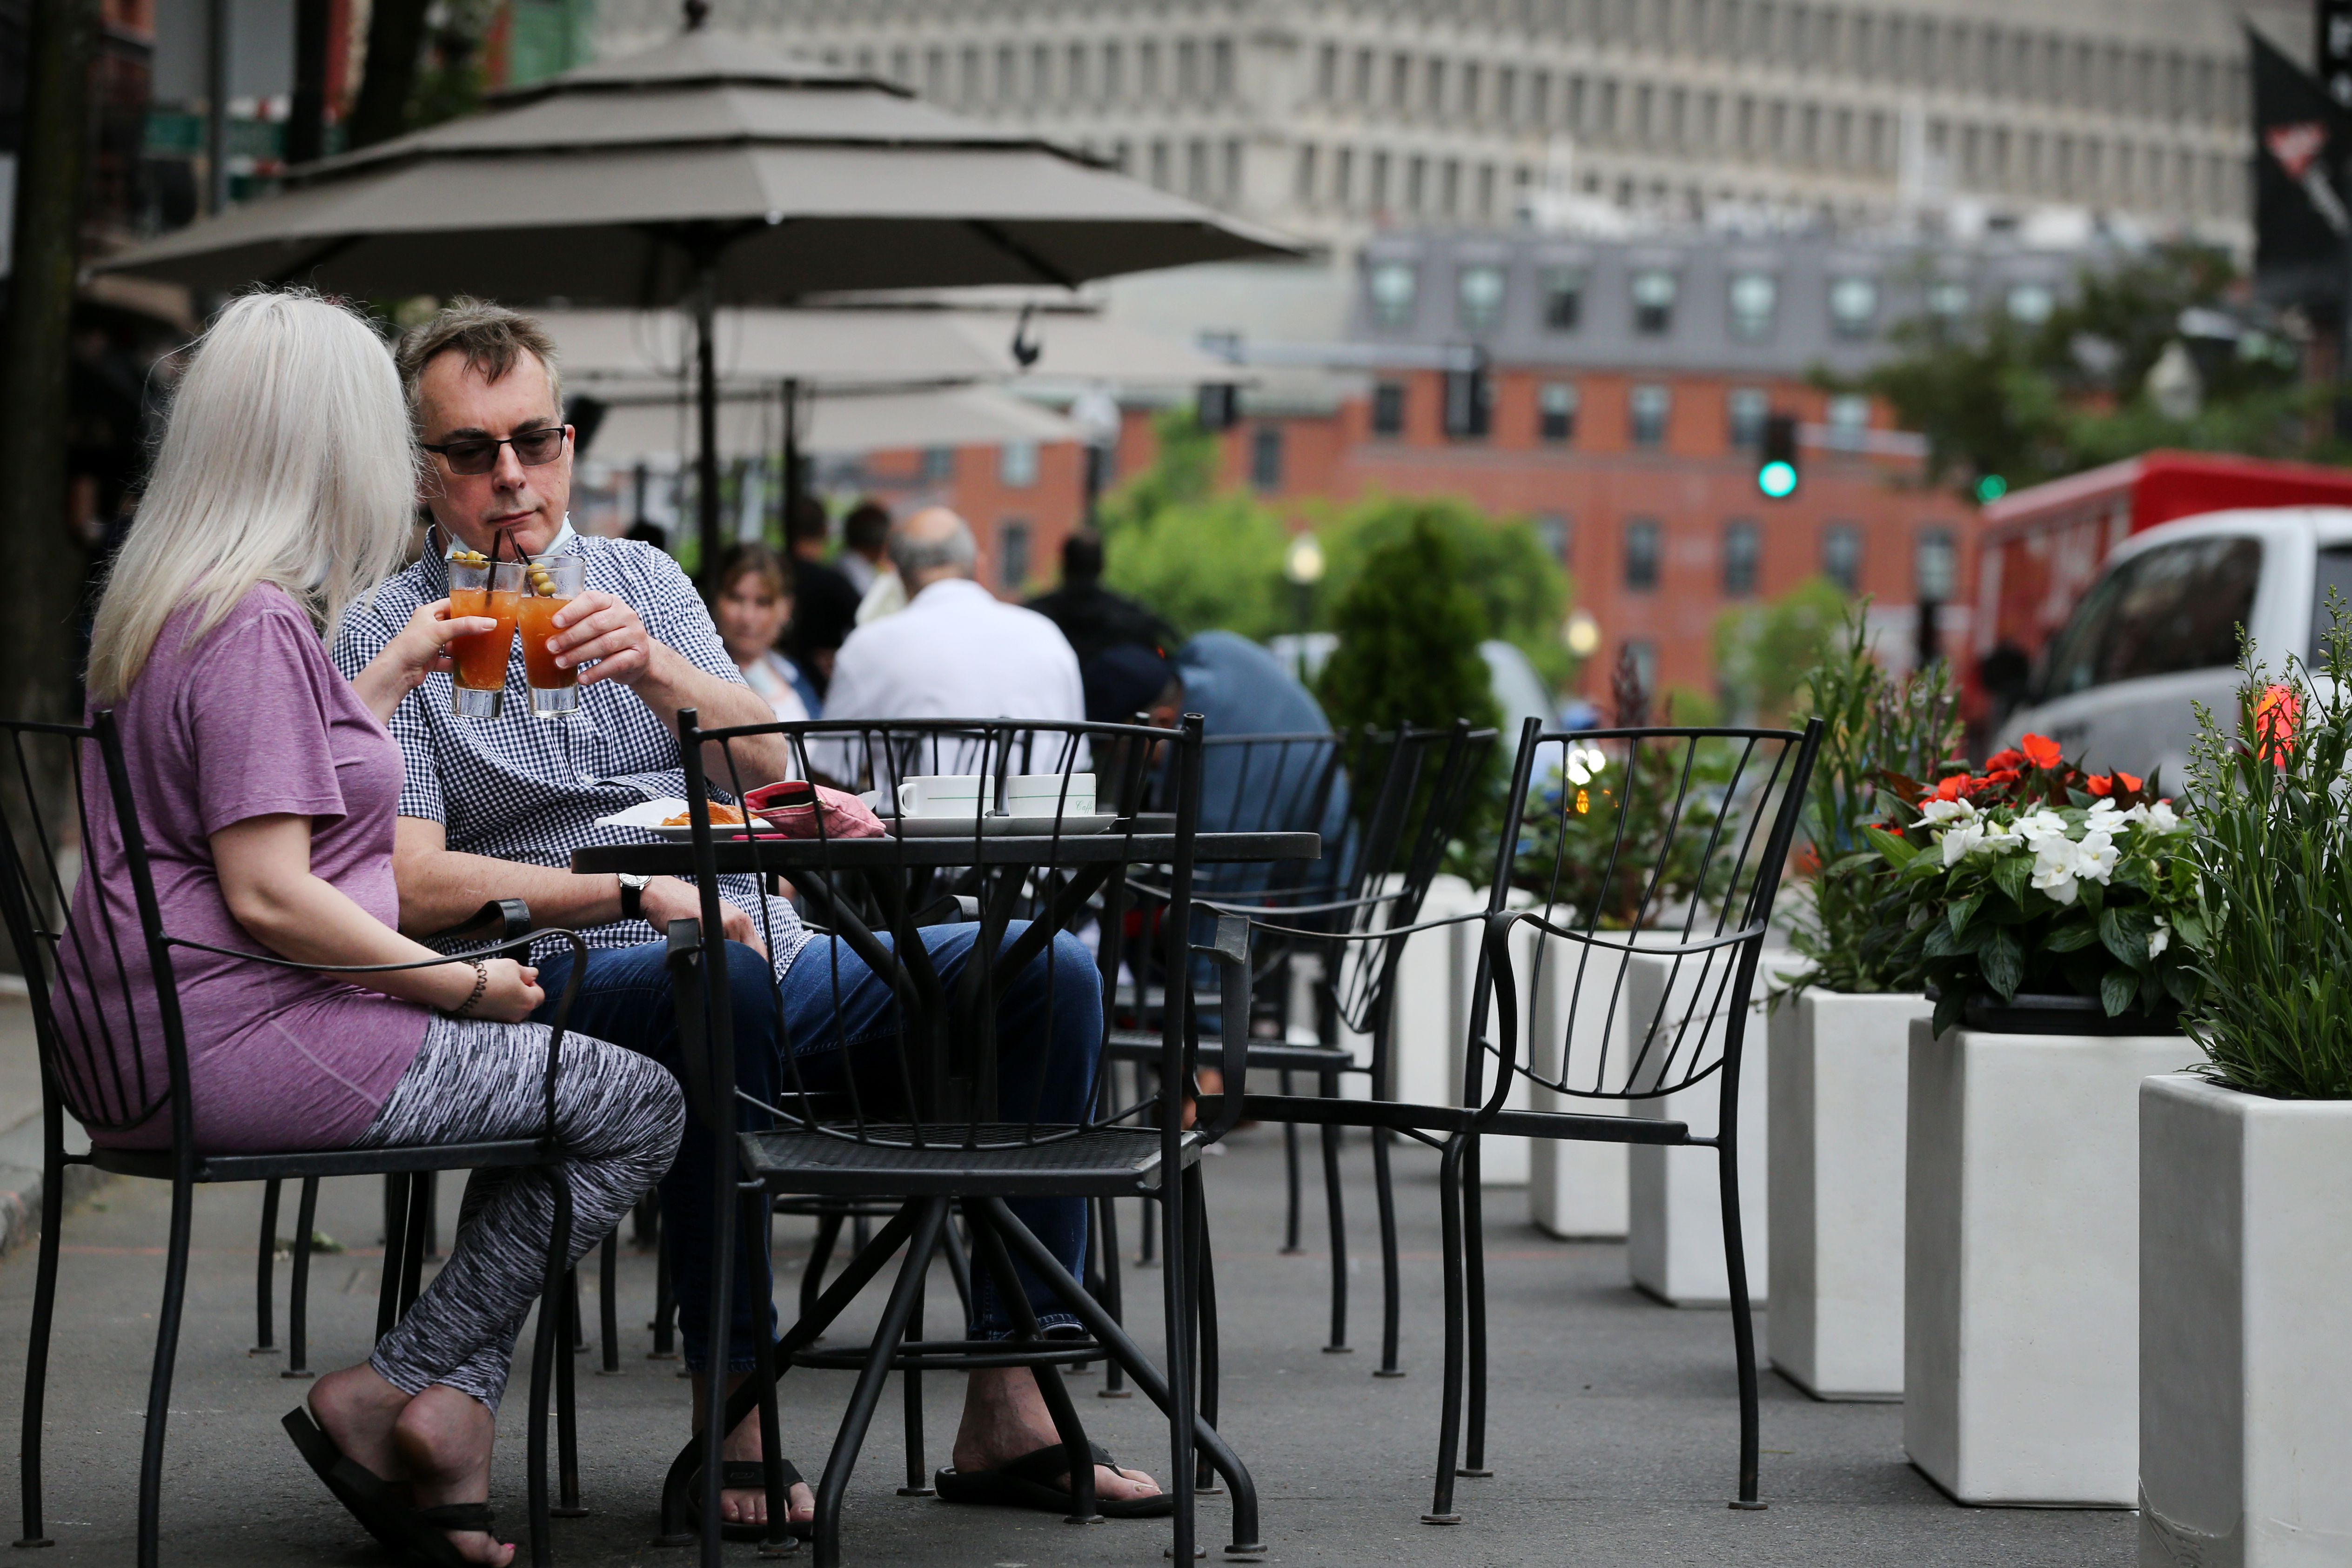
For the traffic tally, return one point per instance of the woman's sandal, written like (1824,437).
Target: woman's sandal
(417,1535)
(750,1476)
(1041,1480)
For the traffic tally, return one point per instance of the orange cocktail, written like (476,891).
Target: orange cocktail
(554,581)
(478,587)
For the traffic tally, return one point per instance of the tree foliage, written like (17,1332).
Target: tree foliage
(1409,633)
(2030,402)
(1521,590)
(1209,563)
(1762,652)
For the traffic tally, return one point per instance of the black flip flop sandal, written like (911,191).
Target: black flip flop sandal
(416,1534)
(1039,1480)
(750,1476)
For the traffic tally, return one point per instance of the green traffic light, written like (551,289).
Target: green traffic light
(1991,487)
(1776,479)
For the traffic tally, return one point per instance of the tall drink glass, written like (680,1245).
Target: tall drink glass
(554,581)
(484,589)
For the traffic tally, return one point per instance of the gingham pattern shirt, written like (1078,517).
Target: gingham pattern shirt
(530,790)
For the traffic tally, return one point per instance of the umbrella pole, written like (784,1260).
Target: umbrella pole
(791,451)
(706,396)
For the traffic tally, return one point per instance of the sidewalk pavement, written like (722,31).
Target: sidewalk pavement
(1613,1436)
(20,1125)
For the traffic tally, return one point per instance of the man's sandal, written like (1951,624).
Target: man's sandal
(416,1534)
(750,1476)
(1040,1480)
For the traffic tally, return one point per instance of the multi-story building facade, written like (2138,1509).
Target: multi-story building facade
(1331,118)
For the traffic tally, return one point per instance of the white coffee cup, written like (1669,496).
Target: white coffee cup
(1045,794)
(940,794)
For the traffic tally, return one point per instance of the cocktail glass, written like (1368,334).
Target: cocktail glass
(554,581)
(493,589)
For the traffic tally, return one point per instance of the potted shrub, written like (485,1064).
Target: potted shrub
(1839,1038)
(2050,909)
(2245,1201)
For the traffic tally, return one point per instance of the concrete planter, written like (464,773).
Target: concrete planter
(2245,1362)
(1837,1065)
(1674,1241)
(2020,1289)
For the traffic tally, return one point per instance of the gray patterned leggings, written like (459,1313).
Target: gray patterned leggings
(619,1113)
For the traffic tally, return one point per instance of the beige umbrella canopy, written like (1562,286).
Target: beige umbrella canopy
(636,430)
(708,171)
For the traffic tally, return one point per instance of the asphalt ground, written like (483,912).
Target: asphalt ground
(1614,1436)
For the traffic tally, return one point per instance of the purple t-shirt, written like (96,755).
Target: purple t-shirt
(249,719)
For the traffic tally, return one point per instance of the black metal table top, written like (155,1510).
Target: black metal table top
(739,856)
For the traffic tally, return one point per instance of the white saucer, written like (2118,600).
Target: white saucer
(1001,826)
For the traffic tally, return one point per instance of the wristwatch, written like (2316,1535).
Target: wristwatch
(633,893)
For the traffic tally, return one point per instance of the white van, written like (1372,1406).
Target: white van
(2159,632)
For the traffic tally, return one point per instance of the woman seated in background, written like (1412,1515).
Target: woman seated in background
(753,605)
(266,786)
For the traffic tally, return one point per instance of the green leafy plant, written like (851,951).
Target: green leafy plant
(1762,651)
(1849,927)
(2037,876)
(2275,882)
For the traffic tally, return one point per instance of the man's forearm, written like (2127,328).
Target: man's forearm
(675,684)
(442,888)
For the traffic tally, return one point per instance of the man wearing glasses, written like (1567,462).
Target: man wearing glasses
(492,808)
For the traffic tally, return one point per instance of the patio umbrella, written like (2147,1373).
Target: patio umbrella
(706,170)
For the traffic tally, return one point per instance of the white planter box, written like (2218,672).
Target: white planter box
(2245,1329)
(1674,1241)
(1834,1202)
(2020,1289)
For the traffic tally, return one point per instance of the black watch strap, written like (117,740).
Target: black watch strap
(633,889)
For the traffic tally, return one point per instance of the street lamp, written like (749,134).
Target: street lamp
(1581,633)
(1302,564)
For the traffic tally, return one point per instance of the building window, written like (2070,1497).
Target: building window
(1654,301)
(1935,566)
(1853,306)
(1221,68)
(1743,552)
(2029,304)
(1563,289)
(1556,411)
(1016,463)
(1556,535)
(1649,406)
(1478,304)
(1266,458)
(1746,409)
(1642,655)
(1644,552)
(1394,285)
(939,465)
(1849,420)
(1754,296)
(1841,555)
(1387,408)
(1013,555)
(1469,404)
(1947,300)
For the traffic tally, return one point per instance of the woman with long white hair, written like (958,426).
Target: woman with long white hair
(265,786)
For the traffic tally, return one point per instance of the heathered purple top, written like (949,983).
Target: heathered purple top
(249,719)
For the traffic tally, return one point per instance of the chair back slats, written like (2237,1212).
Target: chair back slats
(1665,841)
(80,948)
(933,1081)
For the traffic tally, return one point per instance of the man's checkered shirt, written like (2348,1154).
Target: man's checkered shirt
(530,790)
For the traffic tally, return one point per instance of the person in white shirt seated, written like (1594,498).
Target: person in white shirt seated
(956,651)
(753,602)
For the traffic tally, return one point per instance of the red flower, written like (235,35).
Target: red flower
(2003,775)
(2099,786)
(2275,713)
(1955,787)
(2130,781)
(2041,751)
(2009,760)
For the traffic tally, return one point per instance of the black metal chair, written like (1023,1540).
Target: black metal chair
(1409,795)
(919,1122)
(1682,832)
(95,1064)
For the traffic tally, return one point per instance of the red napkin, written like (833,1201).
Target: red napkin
(792,806)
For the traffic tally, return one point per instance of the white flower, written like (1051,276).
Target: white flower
(2056,859)
(1959,842)
(2135,817)
(2160,938)
(1585,764)
(2102,816)
(2162,818)
(2096,857)
(2044,823)
(1941,811)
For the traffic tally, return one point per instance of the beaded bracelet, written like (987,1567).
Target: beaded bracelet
(481,983)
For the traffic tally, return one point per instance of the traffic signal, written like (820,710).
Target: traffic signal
(1776,461)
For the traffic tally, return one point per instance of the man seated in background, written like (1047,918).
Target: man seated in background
(956,651)
(825,601)
(1117,641)
(864,539)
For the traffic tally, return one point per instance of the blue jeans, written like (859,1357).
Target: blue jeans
(840,1016)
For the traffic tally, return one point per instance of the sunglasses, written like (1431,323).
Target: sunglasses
(480,454)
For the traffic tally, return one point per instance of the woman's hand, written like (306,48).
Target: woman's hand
(511,995)
(422,648)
